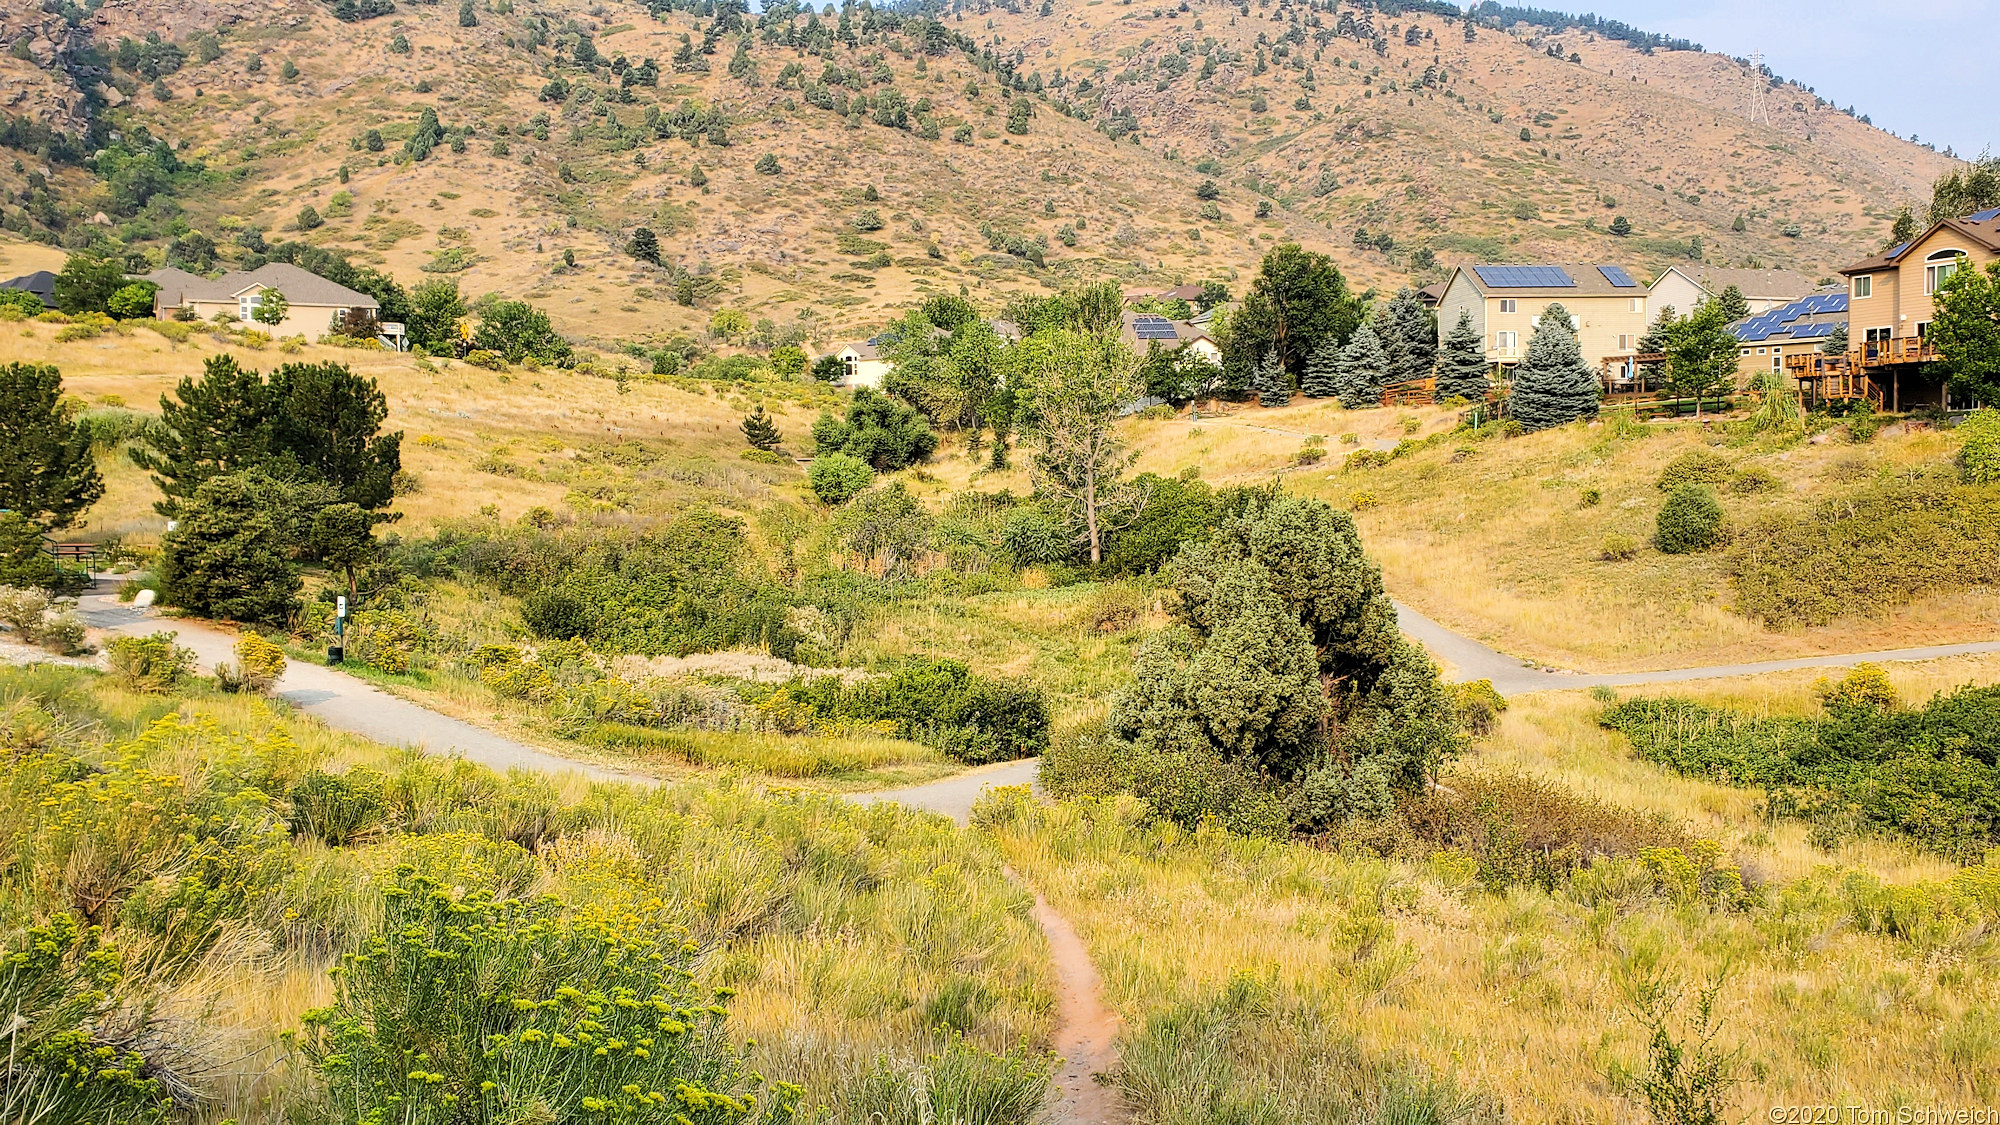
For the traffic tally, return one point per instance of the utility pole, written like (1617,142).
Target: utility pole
(1758,85)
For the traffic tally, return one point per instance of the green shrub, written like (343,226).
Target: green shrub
(1031,536)
(1979,453)
(1924,773)
(1882,545)
(1178,510)
(939,703)
(1696,466)
(387,640)
(882,431)
(1689,522)
(153,664)
(963,1082)
(56,981)
(1617,547)
(463,1004)
(765,457)
(1753,479)
(1479,706)
(836,477)
(259,665)
(336,808)
(490,360)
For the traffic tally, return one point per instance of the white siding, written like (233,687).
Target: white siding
(1461,295)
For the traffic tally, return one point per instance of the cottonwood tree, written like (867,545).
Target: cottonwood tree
(1701,352)
(1552,384)
(1362,370)
(47,472)
(1072,387)
(1965,329)
(1462,367)
(436,307)
(1297,301)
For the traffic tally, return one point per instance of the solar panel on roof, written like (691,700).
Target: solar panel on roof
(1987,215)
(1897,249)
(1617,276)
(1812,331)
(1153,328)
(1525,277)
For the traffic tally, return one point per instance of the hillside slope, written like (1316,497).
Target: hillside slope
(268,106)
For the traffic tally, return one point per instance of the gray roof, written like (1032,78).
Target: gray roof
(1583,281)
(41,283)
(300,287)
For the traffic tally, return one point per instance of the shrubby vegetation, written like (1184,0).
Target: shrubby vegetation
(1864,764)
(202,847)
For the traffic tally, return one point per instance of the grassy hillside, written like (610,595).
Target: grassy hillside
(1432,173)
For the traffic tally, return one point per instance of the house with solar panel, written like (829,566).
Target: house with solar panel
(1144,333)
(1799,329)
(1606,304)
(1682,287)
(863,365)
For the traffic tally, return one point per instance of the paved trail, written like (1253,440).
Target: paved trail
(1471,660)
(1086,1027)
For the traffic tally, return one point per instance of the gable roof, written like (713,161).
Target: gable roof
(1755,285)
(866,349)
(1141,331)
(1982,232)
(300,287)
(41,283)
(1554,281)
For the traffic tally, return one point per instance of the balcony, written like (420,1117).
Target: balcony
(1888,353)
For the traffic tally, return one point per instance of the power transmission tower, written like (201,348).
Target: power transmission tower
(1758,86)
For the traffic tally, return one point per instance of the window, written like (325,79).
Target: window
(1874,335)
(1940,266)
(1923,329)
(1506,342)
(1745,351)
(1864,287)
(1760,351)
(1509,304)
(1638,304)
(246,305)
(1624,342)
(1777,359)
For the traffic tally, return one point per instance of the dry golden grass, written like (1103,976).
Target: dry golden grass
(1523,994)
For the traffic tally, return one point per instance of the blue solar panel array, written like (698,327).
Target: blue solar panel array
(1616,275)
(1782,321)
(1985,216)
(1153,328)
(1525,277)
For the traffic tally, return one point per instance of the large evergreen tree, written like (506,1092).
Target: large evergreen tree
(219,423)
(1362,371)
(1552,383)
(1732,303)
(230,552)
(1409,337)
(47,473)
(1274,385)
(1287,659)
(1462,367)
(1322,377)
(328,421)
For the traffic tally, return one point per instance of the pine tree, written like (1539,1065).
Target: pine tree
(466,18)
(1363,366)
(645,245)
(47,473)
(220,423)
(1409,337)
(759,430)
(1462,364)
(1552,384)
(1322,378)
(1733,304)
(1274,386)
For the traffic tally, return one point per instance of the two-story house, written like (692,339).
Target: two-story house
(1606,304)
(1683,287)
(1889,307)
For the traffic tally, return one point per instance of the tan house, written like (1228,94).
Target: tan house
(315,306)
(1606,305)
(864,365)
(1889,314)
(1684,287)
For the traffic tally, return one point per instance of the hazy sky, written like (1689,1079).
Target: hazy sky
(1913,66)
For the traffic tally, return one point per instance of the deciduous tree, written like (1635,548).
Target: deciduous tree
(1297,301)
(1965,329)
(1073,385)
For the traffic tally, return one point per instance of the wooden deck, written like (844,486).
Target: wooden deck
(1413,392)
